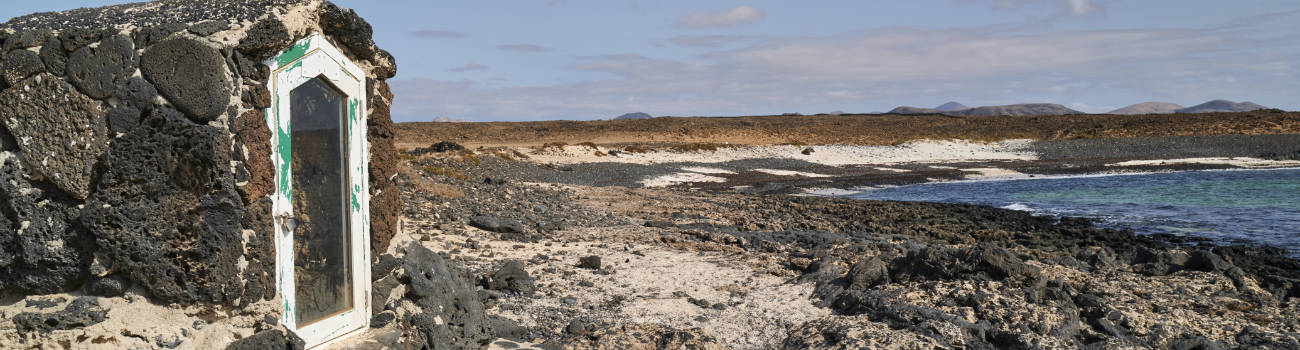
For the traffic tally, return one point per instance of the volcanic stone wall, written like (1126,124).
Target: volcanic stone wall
(134,147)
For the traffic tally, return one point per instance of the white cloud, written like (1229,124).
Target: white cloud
(1073,7)
(468,67)
(983,66)
(735,16)
(524,48)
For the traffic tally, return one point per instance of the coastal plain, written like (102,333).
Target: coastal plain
(715,233)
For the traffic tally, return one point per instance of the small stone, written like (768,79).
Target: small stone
(719,306)
(807,151)
(199,324)
(569,300)
(382,319)
(578,327)
(108,286)
(170,341)
(589,262)
(585,283)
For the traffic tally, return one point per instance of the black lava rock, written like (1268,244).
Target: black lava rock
(807,151)
(511,277)
(137,93)
(108,286)
(589,262)
(488,223)
(76,38)
(382,319)
(123,118)
(349,29)
(453,316)
(168,191)
(271,339)
(64,127)
(868,273)
(206,28)
(264,38)
(578,327)
(190,74)
(96,71)
(82,312)
(153,34)
(44,304)
(442,146)
(47,255)
(55,58)
(20,64)
(26,38)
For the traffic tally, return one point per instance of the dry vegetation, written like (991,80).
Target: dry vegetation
(844,129)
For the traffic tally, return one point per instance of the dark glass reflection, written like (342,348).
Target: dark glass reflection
(320,241)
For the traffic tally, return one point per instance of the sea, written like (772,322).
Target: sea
(1238,206)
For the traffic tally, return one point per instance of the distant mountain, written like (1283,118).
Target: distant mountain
(1148,108)
(1017,110)
(636,115)
(1013,110)
(1222,106)
(913,110)
(951,106)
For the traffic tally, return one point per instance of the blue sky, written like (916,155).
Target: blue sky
(563,59)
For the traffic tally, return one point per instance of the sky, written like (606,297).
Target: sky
(496,60)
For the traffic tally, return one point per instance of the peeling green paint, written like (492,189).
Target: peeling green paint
(285,146)
(294,52)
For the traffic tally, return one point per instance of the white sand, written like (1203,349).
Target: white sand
(705,170)
(992,173)
(780,172)
(896,170)
(1244,162)
(829,192)
(927,151)
(679,178)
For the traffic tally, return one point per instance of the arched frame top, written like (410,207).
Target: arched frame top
(309,58)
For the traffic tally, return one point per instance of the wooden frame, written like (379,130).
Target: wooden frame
(309,58)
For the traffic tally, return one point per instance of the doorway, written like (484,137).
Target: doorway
(321,202)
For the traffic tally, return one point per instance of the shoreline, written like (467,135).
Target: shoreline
(876,273)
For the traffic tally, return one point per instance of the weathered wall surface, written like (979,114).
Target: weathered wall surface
(133,144)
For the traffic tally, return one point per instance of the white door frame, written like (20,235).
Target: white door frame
(310,58)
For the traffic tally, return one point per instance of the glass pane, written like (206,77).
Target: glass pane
(320,240)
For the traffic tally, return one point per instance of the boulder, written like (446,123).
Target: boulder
(271,339)
(453,316)
(190,74)
(97,71)
(20,64)
(63,132)
(352,31)
(54,57)
(42,249)
(488,223)
(264,38)
(511,277)
(167,193)
(81,312)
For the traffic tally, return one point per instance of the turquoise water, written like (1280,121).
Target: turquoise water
(1235,206)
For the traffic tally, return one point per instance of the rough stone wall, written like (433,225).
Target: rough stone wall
(133,144)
